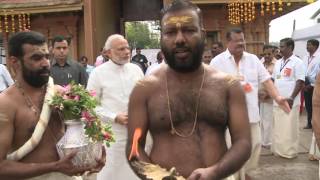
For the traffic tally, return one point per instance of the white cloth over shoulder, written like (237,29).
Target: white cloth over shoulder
(253,72)
(113,85)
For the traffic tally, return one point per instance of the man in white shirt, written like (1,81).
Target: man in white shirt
(289,76)
(265,101)
(5,78)
(113,82)
(311,61)
(251,72)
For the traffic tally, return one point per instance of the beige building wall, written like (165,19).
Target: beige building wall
(81,42)
(101,18)
(107,17)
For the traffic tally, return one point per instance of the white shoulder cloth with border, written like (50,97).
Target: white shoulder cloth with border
(40,127)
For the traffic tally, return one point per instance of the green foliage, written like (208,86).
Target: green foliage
(72,100)
(139,35)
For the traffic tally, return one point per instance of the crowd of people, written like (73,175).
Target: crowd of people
(207,111)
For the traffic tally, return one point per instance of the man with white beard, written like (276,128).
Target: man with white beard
(113,82)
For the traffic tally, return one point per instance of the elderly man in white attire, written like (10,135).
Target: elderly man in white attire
(250,71)
(113,82)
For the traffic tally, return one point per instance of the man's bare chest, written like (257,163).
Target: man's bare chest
(183,106)
(25,124)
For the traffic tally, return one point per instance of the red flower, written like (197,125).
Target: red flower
(106,136)
(92,93)
(87,116)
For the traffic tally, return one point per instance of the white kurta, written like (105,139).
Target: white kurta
(113,84)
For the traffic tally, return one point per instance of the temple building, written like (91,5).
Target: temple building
(89,22)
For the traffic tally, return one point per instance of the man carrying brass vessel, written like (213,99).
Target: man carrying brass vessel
(187,106)
(28,131)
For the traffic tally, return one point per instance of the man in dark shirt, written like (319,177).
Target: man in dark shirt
(64,70)
(140,60)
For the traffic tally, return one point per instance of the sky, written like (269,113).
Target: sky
(282,27)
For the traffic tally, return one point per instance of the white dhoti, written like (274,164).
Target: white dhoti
(117,166)
(266,114)
(252,162)
(285,138)
(54,176)
(314,150)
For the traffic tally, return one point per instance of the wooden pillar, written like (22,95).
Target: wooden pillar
(89,30)
(5,43)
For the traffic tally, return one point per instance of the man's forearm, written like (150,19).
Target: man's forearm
(17,170)
(272,90)
(142,157)
(299,85)
(233,160)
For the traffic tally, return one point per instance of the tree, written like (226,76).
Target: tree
(139,34)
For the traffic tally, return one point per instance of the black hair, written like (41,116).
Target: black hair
(218,43)
(60,38)
(314,42)
(288,42)
(19,39)
(268,46)
(178,5)
(233,30)
(83,57)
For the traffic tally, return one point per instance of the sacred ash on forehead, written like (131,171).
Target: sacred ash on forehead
(178,20)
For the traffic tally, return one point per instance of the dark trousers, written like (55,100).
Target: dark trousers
(308,104)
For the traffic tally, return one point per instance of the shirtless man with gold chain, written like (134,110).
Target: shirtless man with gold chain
(22,112)
(187,105)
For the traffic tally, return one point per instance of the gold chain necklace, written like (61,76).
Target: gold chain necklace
(173,129)
(27,99)
(34,108)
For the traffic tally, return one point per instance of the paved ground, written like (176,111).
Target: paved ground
(300,168)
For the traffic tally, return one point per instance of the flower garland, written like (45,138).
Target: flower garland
(75,102)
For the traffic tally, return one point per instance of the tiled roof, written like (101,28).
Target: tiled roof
(39,6)
(11,4)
